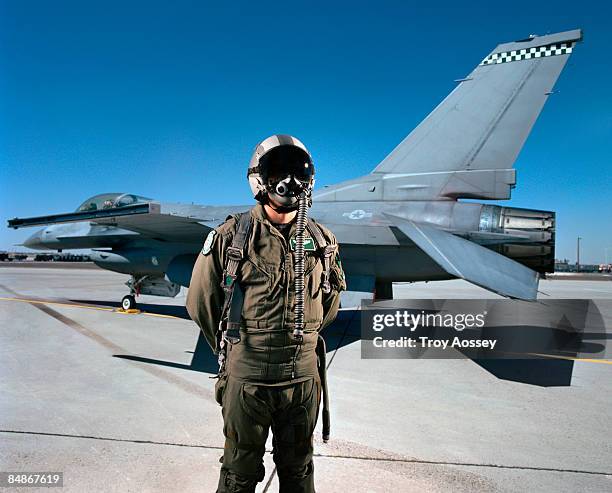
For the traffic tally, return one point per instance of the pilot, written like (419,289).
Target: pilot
(261,300)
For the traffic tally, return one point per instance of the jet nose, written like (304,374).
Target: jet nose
(35,241)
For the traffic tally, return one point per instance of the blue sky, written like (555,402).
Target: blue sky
(168,99)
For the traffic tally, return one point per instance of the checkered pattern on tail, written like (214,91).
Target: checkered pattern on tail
(527,53)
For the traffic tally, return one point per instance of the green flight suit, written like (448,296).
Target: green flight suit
(257,390)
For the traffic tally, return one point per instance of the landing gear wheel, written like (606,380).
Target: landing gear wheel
(128,302)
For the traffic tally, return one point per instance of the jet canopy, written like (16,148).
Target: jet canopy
(111,200)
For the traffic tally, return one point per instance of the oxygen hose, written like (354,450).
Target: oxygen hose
(299,282)
(299,264)
(298,331)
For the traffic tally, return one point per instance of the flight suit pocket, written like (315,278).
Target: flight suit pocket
(255,281)
(312,271)
(293,432)
(253,405)
(311,405)
(314,302)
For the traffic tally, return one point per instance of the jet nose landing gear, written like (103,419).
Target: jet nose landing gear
(128,302)
(155,285)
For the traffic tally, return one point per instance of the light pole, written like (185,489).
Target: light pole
(578,253)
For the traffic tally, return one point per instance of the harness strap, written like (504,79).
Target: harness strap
(314,230)
(327,252)
(234,297)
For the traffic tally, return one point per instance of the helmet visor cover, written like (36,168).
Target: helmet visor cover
(286,160)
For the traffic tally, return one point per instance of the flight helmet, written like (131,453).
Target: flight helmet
(281,168)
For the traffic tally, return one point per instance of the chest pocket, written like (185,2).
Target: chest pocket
(313,274)
(255,281)
(312,262)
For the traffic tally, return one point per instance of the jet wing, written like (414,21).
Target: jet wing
(474,263)
(161,221)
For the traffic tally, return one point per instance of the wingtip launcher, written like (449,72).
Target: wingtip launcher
(94,215)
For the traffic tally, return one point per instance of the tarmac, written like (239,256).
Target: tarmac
(118,402)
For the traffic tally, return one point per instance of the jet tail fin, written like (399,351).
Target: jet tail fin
(483,124)
(466,147)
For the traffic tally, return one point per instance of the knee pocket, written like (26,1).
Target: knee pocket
(245,430)
(294,430)
(253,406)
(303,428)
(307,413)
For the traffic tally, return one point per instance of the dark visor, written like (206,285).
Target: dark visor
(286,160)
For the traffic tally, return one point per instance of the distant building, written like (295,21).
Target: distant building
(565,266)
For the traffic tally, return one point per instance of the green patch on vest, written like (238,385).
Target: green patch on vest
(309,244)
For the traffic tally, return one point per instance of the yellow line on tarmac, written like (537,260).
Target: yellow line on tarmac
(150,314)
(75,305)
(587,360)
(45,302)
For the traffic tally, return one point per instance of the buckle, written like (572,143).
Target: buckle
(232,334)
(329,250)
(234,253)
(326,286)
(228,281)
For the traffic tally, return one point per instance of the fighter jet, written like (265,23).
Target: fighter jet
(403,221)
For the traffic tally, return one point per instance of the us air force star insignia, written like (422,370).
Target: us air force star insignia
(208,242)
(357,214)
(309,245)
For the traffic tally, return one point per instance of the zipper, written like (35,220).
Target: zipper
(286,261)
(284,267)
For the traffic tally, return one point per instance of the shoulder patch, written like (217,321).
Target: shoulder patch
(209,242)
